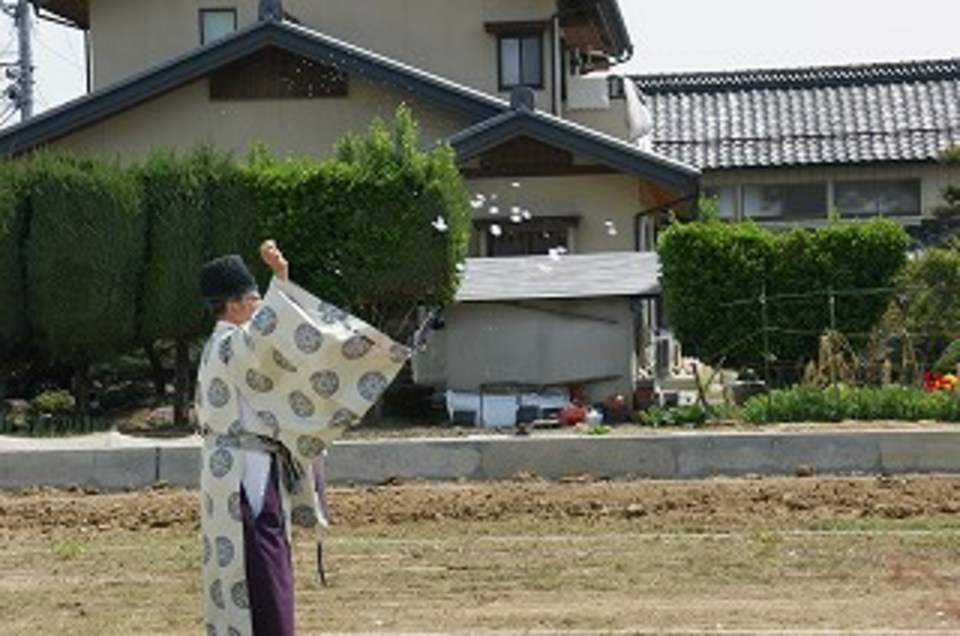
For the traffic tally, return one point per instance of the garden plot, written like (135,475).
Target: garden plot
(719,555)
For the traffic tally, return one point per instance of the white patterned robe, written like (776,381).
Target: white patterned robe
(308,369)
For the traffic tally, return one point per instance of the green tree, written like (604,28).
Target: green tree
(197,206)
(13,324)
(84,256)
(379,229)
(930,293)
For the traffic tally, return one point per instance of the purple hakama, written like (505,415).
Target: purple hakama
(268,568)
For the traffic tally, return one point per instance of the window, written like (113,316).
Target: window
(793,201)
(521,60)
(538,236)
(872,198)
(726,198)
(216,23)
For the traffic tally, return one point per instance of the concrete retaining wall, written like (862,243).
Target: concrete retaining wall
(669,456)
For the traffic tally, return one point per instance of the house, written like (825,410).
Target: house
(543,148)
(785,146)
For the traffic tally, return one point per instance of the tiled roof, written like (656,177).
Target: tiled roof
(894,112)
(569,276)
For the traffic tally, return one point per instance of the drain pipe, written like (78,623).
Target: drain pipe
(557,65)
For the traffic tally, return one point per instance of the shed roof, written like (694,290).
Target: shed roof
(607,274)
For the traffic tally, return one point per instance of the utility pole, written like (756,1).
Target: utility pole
(20,92)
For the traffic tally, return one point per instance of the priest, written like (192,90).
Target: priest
(279,378)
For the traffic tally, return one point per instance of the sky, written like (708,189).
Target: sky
(668,35)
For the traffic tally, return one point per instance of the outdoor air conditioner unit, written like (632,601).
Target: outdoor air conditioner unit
(668,356)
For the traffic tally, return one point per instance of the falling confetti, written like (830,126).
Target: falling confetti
(461,267)
(477,201)
(440,225)
(496,230)
(526,215)
(556,252)
(515,184)
(494,209)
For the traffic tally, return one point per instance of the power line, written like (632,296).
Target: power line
(820,293)
(57,53)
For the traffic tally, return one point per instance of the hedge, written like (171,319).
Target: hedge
(714,273)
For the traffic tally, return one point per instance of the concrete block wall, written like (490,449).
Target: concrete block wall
(667,456)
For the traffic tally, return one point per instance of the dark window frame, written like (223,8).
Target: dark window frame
(792,190)
(520,36)
(524,233)
(914,185)
(210,10)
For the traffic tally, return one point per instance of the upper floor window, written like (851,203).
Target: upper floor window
(216,23)
(521,60)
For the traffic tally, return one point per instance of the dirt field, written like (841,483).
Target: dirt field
(725,556)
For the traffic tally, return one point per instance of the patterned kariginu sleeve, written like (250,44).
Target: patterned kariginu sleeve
(305,366)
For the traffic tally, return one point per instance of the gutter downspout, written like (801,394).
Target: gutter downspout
(557,55)
(663,207)
(88,53)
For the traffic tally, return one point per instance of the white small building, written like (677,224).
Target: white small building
(530,324)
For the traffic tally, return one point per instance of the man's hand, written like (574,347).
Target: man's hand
(274,259)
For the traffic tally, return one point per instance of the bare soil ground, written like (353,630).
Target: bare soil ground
(526,556)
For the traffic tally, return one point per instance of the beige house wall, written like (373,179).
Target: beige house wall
(444,37)
(129,36)
(612,121)
(186,117)
(568,341)
(595,199)
(933,177)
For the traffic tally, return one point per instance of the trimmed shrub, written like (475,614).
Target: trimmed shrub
(692,415)
(832,404)
(174,203)
(13,322)
(84,257)
(197,207)
(713,275)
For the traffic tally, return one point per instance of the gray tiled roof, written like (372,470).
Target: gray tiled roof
(568,276)
(907,111)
